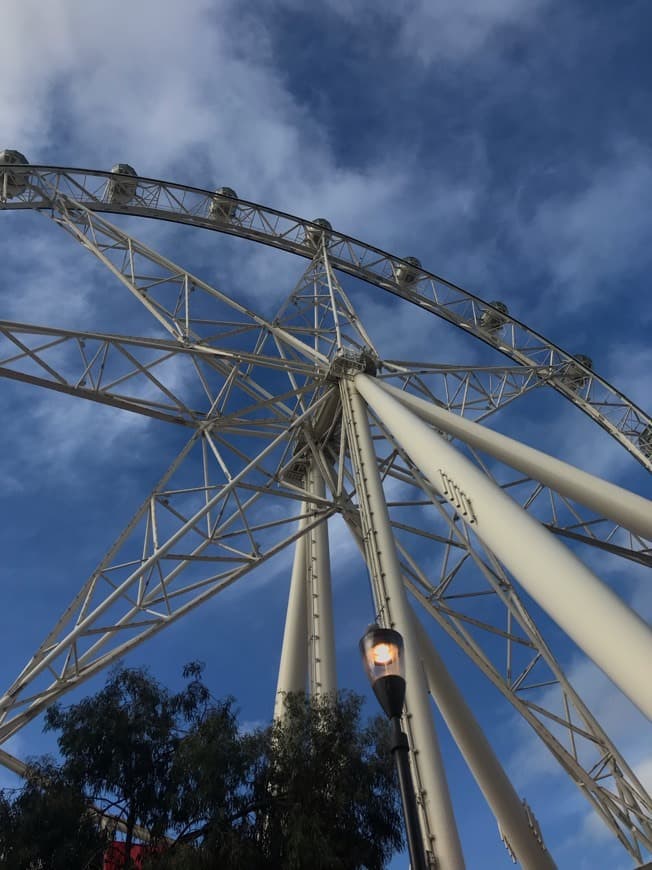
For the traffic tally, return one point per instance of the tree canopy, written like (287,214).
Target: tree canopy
(330,788)
(315,789)
(47,824)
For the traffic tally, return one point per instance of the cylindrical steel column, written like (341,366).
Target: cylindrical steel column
(394,611)
(293,669)
(321,633)
(602,625)
(487,770)
(629,510)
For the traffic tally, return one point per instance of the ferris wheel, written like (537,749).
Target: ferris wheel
(288,421)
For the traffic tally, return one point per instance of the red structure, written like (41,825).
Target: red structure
(115,856)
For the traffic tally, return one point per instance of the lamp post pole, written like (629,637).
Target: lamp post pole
(381,650)
(400,751)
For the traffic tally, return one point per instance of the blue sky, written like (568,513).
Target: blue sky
(505,143)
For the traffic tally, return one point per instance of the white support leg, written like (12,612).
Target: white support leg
(321,633)
(629,510)
(602,625)
(293,669)
(508,809)
(438,822)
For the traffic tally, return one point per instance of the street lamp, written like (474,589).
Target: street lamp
(382,655)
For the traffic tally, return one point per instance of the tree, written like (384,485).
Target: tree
(329,788)
(47,823)
(316,789)
(215,770)
(119,745)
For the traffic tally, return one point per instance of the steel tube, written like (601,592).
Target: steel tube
(629,510)
(487,770)
(602,625)
(293,668)
(321,631)
(394,610)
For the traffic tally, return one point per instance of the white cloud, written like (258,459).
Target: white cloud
(179,89)
(46,280)
(433,31)
(445,30)
(54,436)
(591,237)
(630,365)
(192,92)
(175,89)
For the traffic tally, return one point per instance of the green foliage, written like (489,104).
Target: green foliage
(316,789)
(119,745)
(47,824)
(331,791)
(214,769)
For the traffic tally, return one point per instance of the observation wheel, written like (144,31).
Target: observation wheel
(286,421)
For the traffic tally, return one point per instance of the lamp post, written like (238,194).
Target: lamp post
(382,655)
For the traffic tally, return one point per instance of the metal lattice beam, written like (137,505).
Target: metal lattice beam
(152,198)
(276,450)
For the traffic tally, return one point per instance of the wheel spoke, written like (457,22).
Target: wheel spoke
(152,198)
(474,600)
(281,440)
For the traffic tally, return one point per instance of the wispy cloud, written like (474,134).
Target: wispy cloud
(433,32)
(457,31)
(593,240)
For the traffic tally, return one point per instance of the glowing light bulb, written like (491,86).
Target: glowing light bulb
(383,654)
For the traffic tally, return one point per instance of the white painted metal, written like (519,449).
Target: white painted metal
(321,632)
(614,502)
(150,606)
(594,762)
(393,611)
(130,373)
(124,256)
(47,187)
(242,394)
(602,625)
(127,372)
(579,745)
(511,815)
(293,668)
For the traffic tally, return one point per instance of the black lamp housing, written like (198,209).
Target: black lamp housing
(382,656)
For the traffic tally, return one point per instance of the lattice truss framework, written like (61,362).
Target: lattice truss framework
(268,459)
